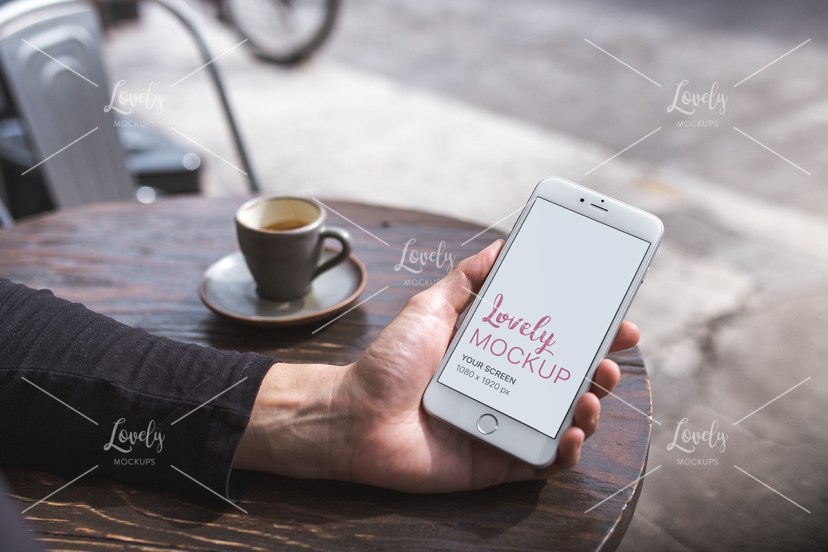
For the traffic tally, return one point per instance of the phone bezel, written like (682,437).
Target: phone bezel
(513,436)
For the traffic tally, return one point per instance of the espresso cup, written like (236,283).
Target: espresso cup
(281,239)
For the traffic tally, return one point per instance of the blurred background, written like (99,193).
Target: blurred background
(709,114)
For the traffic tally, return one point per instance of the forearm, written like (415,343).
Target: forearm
(300,424)
(115,379)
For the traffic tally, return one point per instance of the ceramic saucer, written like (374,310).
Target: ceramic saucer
(228,289)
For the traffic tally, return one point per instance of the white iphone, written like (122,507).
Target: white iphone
(543,319)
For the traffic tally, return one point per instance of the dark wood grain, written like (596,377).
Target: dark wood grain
(141,264)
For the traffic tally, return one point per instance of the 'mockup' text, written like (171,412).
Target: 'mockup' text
(527,358)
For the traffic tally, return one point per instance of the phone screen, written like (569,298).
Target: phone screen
(539,324)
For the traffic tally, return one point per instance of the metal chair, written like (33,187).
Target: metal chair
(51,61)
(50,51)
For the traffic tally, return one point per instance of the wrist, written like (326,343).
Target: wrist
(299,424)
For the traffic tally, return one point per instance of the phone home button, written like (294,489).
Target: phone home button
(486,424)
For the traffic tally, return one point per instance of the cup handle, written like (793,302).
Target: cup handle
(344,238)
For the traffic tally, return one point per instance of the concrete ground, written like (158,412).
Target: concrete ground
(461,106)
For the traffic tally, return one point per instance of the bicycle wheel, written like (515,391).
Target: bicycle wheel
(284,31)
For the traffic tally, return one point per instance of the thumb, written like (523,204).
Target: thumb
(450,296)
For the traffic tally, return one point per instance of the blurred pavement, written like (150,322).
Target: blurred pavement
(461,106)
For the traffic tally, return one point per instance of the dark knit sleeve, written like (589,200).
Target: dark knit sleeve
(80,391)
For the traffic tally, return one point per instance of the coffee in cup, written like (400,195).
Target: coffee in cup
(281,239)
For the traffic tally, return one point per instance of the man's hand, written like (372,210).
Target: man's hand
(364,422)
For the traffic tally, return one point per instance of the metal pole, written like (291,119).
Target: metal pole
(6,220)
(182,12)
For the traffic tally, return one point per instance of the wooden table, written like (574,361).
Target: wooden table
(142,265)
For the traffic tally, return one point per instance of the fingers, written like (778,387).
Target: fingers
(606,378)
(586,418)
(569,448)
(627,336)
(585,423)
(569,453)
(450,296)
(587,413)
